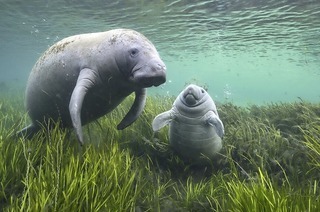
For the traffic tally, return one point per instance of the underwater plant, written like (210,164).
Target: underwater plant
(269,162)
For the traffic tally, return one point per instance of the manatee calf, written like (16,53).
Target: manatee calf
(84,77)
(195,129)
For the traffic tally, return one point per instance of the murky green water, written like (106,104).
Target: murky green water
(244,51)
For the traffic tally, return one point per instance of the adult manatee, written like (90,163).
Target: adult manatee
(195,129)
(84,77)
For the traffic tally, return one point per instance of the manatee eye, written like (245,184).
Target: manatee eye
(134,52)
(202,91)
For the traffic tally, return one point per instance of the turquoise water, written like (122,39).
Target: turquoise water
(243,51)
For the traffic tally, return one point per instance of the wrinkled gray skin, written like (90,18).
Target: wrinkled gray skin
(84,77)
(195,129)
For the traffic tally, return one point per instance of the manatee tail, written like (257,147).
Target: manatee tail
(28,132)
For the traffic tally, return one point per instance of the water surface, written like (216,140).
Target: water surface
(243,51)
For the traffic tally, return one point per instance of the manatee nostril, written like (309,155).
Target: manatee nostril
(161,66)
(190,90)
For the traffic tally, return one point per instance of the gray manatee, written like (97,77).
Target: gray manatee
(84,77)
(195,129)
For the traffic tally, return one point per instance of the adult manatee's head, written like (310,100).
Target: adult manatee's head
(194,101)
(137,58)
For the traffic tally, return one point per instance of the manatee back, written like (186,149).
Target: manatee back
(54,76)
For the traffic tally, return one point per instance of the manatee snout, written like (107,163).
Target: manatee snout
(191,95)
(158,75)
(152,74)
(190,99)
(191,89)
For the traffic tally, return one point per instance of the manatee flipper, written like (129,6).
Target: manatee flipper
(162,120)
(214,120)
(135,110)
(86,80)
(29,131)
